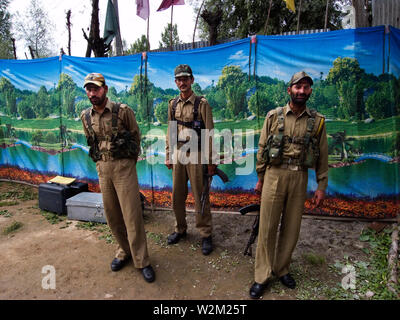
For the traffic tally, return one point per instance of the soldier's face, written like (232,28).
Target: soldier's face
(300,92)
(184,84)
(96,94)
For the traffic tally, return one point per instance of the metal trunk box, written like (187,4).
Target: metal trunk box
(52,196)
(86,206)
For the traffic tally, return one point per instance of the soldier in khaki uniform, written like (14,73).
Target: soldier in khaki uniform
(292,140)
(114,140)
(190,113)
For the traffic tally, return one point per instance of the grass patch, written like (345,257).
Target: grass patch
(157,238)
(8,203)
(18,192)
(12,228)
(371,276)
(314,259)
(99,227)
(5,213)
(51,217)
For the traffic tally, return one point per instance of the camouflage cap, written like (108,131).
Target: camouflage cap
(299,76)
(183,70)
(95,78)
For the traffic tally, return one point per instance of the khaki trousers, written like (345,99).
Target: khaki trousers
(181,173)
(122,206)
(282,199)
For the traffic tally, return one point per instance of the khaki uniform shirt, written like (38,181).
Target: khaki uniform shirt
(102,124)
(184,112)
(295,127)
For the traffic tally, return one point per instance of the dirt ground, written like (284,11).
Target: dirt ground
(81,257)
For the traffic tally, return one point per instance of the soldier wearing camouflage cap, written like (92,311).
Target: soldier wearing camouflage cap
(190,112)
(293,139)
(114,140)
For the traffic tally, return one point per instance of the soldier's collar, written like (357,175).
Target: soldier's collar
(288,109)
(190,99)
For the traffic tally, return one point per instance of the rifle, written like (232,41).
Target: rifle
(206,186)
(256,223)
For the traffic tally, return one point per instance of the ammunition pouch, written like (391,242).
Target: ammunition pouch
(310,153)
(94,151)
(124,146)
(273,151)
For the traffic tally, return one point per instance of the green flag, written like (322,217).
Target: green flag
(111,24)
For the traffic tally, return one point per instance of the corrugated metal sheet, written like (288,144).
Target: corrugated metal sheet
(386,12)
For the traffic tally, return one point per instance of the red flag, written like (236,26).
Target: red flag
(142,9)
(167,3)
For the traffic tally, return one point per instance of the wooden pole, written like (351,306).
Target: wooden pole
(298,19)
(195,25)
(118,41)
(326,15)
(148,33)
(172,12)
(69,31)
(266,22)
(14,48)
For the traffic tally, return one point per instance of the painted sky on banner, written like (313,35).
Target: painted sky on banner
(277,57)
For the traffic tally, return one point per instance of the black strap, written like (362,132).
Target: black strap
(114,122)
(195,112)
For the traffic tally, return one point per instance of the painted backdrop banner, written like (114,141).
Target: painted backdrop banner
(356,77)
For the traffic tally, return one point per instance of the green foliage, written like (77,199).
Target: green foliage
(42,104)
(161,112)
(233,83)
(140,45)
(166,36)
(241,18)
(37,137)
(67,87)
(268,97)
(14,226)
(25,107)
(34,27)
(380,104)
(50,137)
(347,76)
(6,49)
(8,92)
(82,105)
(51,217)
(371,275)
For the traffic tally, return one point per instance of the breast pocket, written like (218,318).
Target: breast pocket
(178,114)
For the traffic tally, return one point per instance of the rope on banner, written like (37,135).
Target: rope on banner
(144,55)
(61,123)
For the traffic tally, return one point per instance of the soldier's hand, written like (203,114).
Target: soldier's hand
(259,187)
(169,166)
(212,169)
(318,198)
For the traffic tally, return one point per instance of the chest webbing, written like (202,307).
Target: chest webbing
(189,124)
(114,124)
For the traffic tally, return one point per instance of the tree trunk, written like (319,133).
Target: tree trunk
(361,13)
(69,31)
(95,43)
(213,19)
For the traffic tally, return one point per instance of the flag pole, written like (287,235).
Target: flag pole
(148,28)
(172,12)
